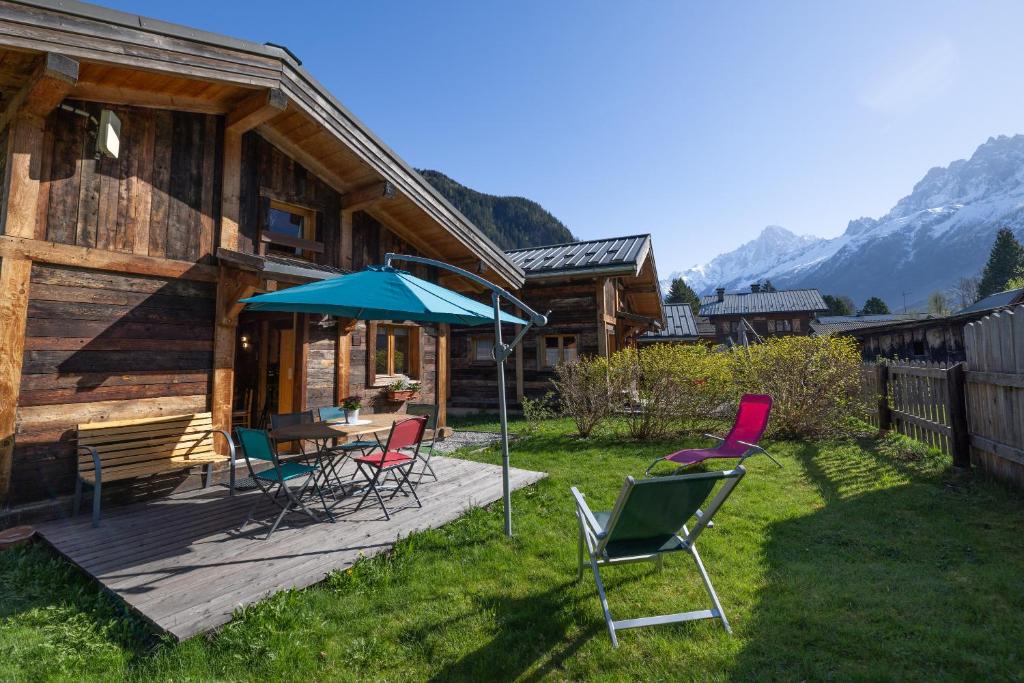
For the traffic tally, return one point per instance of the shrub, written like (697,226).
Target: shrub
(587,392)
(815,382)
(537,410)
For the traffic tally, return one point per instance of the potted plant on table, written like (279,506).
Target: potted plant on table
(352,404)
(402,390)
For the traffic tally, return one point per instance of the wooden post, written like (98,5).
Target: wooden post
(232,285)
(264,362)
(346,239)
(24,116)
(884,416)
(441,383)
(602,330)
(957,407)
(301,362)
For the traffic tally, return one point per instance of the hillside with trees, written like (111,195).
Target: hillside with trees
(510,222)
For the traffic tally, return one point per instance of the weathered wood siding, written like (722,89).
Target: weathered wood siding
(161,197)
(102,346)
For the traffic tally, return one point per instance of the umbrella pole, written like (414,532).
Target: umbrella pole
(503,414)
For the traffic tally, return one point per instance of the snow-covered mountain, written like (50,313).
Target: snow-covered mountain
(940,232)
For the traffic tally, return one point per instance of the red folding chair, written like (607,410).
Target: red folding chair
(741,442)
(375,467)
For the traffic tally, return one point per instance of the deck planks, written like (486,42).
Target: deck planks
(181,564)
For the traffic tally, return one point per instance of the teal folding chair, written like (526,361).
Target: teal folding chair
(426,451)
(647,522)
(273,481)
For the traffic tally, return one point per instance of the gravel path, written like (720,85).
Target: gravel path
(461,439)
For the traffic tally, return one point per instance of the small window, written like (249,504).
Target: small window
(481,349)
(918,348)
(558,348)
(783,326)
(395,351)
(288,230)
(734,327)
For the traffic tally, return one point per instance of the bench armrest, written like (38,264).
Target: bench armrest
(231,455)
(757,449)
(96,463)
(588,516)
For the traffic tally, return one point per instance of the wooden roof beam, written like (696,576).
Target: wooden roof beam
(364,197)
(50,83)
(255,110)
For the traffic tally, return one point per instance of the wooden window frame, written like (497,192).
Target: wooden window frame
(373,379)
(543,348)
(475,342)
(307,244)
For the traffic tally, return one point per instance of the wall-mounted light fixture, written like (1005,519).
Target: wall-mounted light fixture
(108,139)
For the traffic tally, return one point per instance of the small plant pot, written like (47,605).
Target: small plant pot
(352,416)
(404,395)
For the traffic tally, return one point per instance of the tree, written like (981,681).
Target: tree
(965,291)
(1006,261)
(681,293)
(838,305)
(874,306)
(938,304)
(768,286)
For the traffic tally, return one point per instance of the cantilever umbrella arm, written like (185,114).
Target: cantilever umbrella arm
(501,353)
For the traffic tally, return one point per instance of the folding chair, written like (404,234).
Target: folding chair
(375,467)
(647,522)
(741,442)
(273,481)
(426,452)
(278,420)
(343,449)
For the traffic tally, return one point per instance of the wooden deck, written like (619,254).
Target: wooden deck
(181,563)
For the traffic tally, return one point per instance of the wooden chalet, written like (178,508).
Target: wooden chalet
(601,294)
(770,313)
(153,175)
(681,327)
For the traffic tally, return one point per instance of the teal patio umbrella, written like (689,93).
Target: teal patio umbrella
(387,293)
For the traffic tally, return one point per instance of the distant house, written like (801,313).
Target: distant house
(769,313)
(681,327)
(601,294)
(939,339)
(825,325)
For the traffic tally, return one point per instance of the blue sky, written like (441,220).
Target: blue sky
(698,122)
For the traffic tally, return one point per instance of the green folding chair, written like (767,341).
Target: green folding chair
(647,522)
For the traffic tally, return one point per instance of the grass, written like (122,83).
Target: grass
(846,564)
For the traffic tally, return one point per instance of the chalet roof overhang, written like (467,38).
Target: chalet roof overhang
(132,60)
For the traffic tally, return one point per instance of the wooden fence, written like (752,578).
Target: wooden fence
(995,394)
(922,401)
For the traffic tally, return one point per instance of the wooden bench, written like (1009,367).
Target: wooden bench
(127,449)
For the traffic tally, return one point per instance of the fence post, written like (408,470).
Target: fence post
(884,416)
(957,406)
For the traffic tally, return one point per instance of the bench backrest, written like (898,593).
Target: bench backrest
(136,443)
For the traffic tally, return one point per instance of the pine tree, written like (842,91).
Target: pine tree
(1006,261)
(767,286)
(682,293)
(838,305)
(874,306)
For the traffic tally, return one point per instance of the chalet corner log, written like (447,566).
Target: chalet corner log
(369,195)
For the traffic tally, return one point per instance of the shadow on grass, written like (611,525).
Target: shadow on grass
(911,581)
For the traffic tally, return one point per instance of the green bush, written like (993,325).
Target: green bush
(815,382)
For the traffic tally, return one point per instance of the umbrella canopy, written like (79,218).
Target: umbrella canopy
(380,293)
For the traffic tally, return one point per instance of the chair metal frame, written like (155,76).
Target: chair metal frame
(594,537)
(428,410)
(266,485)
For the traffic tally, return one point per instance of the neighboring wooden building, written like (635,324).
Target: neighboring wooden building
(770,313)
(681,327)
(938,339)
(236,173)
(601,294)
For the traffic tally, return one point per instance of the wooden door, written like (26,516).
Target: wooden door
(286,371)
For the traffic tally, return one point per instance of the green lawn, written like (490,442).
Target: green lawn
(844,564)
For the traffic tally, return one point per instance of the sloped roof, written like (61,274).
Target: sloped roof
(994,301)
(833,324)
(781,301)
(612,255)
(679,324)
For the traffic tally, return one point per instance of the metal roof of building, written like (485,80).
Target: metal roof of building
(781,301)
(679,324)
(625,254)
(833,324)
(994,301)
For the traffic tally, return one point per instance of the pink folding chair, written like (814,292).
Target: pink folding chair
(741,442)
(405,435)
